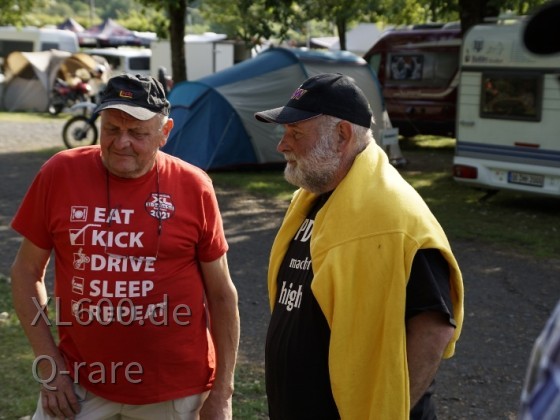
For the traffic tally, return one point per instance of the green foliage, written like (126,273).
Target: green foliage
(129,13)
(248,20)
(244,20)
(519,7)
(15,12)
(145,19)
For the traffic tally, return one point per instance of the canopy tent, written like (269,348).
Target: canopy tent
(31,75)
(71,25)
(214,123)
(111,34)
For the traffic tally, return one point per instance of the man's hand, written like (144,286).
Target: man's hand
(59,399)
(216,407)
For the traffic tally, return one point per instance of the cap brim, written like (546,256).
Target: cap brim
(137,112)
(542,32)
(285,115)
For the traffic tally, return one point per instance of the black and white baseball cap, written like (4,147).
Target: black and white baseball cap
(140,96)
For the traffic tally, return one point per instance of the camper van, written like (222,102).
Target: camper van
(508,120)
(32,39)
(125,59)
(418,70)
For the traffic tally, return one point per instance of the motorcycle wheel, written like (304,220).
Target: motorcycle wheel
(79,131)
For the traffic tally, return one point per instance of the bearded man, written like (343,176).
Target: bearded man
(366,295)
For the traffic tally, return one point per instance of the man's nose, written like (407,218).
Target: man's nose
(282,144)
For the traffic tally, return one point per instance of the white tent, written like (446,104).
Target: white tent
(31,75)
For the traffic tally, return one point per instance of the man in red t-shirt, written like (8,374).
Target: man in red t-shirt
(147,312)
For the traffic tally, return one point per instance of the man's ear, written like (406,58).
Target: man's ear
(168,127)
(344,131)
(166,130)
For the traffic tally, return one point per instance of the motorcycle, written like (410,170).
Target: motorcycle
(64,95)
(81,130)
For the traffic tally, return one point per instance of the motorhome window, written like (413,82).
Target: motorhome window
(6,47)
(46,46)
(406,67)
(139,63)
(114,61)
(511,96)
(374,62)
(429,69)
(446,65)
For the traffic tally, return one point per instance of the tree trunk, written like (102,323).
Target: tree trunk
(341,28)
(177,12)
(474,12)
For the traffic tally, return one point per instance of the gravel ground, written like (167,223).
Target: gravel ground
(16,137)
(508,295)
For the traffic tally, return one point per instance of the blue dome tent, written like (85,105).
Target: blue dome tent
(214,123)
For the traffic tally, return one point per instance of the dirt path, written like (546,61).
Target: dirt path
(508,296)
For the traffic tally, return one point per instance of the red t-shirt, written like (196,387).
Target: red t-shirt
(131,313)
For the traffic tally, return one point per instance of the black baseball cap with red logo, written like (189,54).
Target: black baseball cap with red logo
(143,97)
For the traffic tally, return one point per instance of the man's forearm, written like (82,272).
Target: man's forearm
(225,332)
(30,303)
(427,336)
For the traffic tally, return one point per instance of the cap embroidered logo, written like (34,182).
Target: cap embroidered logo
(125,94)
(298,93)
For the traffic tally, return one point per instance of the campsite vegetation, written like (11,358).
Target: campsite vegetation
(251,21)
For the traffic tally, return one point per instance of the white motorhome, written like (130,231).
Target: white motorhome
(508,121)
(32,39)
(205,54)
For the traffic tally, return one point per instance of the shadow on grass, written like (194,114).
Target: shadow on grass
(522,222)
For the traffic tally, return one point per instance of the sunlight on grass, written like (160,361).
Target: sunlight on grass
(428,142)
(269,184)
(527,224)
(435,142)
(419,181)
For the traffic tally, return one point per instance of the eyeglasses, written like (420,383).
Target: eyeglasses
(112,211)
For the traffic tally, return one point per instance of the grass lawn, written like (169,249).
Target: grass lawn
(527,224)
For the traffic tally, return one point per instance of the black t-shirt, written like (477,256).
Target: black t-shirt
(297,343)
